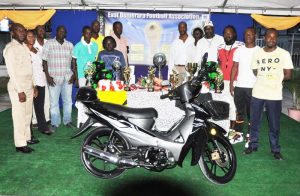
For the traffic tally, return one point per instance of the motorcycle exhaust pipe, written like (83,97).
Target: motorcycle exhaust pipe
(112,158)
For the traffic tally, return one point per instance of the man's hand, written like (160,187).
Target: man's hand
(72,79)
(231,88)
(50,81)
(22,97)
(35,92)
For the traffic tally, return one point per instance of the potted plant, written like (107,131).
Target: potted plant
(293,86)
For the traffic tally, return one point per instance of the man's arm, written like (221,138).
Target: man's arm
(48,77)
(233,73)
(287,74)
(75,74)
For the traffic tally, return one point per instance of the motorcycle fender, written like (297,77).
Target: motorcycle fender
(196,141)
(88,123)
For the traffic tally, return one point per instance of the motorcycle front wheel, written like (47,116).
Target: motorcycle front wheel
(102,139)
(218,160)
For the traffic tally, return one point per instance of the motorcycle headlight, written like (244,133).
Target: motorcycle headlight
(213,131)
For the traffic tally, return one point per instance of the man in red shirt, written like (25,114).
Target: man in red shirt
(225,58)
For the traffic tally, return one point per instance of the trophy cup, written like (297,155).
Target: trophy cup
(150,78)
(89,70)
(173,79)
(219,81)
(116,65)
(159,61)
(191,68)
(126,75)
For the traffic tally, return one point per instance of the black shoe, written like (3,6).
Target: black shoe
(70,125)
(24,149)
(249,150)
(277,155)
(46,131)
(33,140)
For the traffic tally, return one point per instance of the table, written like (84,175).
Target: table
(168,114)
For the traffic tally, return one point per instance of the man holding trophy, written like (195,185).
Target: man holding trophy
(84,53)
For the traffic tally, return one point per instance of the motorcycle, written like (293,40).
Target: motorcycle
(127,137)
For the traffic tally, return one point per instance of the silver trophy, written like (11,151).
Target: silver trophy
(116,65)
(159,61)
(89,70)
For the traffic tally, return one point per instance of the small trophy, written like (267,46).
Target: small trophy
(89,70)
(173,79)
(150,78)
(191,68)
(219,81)
(126,75)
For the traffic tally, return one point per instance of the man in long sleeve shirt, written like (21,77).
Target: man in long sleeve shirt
(20,87)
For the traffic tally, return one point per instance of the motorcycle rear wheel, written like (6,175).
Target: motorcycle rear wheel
(218,160)
(99,138)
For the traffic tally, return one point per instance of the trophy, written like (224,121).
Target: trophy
(173,79)
(89,70)
(116,65)
(159,61)
(150,78)
(191,68)
(126,75)
(219,81)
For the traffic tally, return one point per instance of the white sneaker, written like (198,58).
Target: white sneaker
(238,137)
(247,140)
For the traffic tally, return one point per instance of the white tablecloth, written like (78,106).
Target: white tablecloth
(168,114)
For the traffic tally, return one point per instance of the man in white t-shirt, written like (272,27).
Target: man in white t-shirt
(39,44)
(271,65)
(209,43)
(241,89)
(192,55)
(178,52)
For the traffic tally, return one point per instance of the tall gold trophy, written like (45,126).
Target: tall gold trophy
(219,81)
(150,78)
(173,79)
(126,74)
(191,68)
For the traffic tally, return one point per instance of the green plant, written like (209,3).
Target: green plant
(293,86)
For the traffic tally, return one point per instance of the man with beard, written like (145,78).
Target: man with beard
(84,52)
(225,58)
(96,37)
(271,65)
(57,56)
(209,43)
(20,87)
(241,89)
(178,52)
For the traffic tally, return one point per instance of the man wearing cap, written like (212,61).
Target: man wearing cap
(210,42)
(178,52)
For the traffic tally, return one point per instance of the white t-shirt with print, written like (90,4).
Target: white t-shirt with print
(270,75)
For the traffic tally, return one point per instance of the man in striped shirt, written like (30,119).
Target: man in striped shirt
(57,56)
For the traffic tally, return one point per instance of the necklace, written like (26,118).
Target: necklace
(227,56)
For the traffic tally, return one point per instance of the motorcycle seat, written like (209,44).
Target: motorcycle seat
(128,112)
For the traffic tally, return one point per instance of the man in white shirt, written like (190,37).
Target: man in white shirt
(38,45)
(209,43)
(241,89)
(178,52)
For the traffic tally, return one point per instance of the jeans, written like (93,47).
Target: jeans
(65,90)
(273,111)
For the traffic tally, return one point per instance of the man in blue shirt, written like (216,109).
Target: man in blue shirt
(84,52)
(110,56)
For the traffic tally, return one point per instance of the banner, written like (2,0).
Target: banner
(151,32)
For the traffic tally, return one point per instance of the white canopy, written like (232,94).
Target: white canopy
(268,7)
